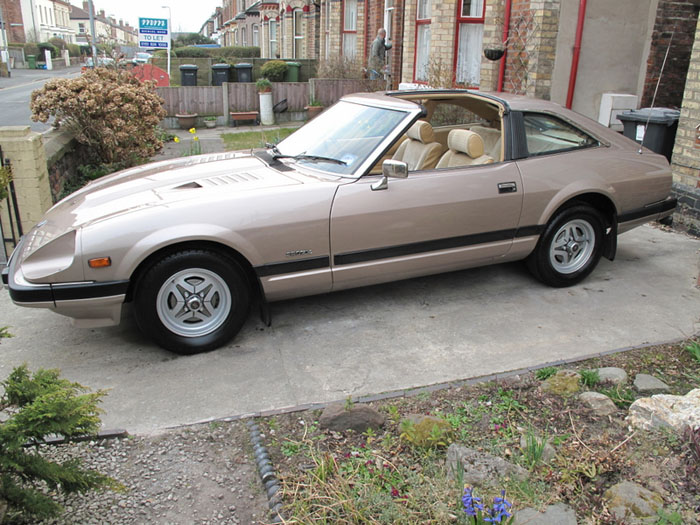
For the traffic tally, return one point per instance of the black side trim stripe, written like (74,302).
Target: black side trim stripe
(434,245)
(648,211)
(71,292)
(313,263)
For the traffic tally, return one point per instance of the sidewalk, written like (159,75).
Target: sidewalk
(210,139)
(22,77)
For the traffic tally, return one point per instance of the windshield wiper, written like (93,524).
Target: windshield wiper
(311,158)
(273,147)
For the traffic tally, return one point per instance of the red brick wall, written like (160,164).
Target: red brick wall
(683,16)
(512,82)
(12,13)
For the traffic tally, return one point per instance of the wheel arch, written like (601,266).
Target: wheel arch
(607,208)
(245,265)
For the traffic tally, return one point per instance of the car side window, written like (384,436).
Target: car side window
(546,134)
(452,115)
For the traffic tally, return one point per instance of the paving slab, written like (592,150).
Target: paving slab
(376,339)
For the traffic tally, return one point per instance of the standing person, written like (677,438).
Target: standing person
(377,54)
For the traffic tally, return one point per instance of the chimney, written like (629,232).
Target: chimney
(102,13)
(121,22)
(86,6)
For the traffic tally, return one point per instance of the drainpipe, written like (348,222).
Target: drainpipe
(506,34)
(577,53)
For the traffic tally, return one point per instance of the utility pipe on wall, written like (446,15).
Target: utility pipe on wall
(506,33)
(577,53)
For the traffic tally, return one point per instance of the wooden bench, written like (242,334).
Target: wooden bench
(244,115)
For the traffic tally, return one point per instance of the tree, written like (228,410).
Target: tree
(191,39)
(32,408)
(108,110)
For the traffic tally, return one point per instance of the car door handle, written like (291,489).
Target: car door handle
(507,187)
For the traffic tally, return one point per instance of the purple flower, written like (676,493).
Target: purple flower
(471,503)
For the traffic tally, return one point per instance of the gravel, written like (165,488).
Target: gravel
(204,474)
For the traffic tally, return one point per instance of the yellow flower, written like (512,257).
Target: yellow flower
(176,140)
(195,138)
(193,131)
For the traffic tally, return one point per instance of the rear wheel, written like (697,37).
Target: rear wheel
(570,247)
(192,301)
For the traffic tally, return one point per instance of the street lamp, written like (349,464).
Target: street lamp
(170,38)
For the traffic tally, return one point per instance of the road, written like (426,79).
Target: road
(377,339)
(15,93)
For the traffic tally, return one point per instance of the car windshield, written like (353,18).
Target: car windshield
(344,135)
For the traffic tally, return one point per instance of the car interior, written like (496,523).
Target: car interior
(458,131)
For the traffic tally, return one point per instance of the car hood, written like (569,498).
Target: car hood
(164,183)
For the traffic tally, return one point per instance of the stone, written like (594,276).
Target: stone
(424,432)
(559,514)
(358,418)
(480,468)
(548,452)
(633,503)
(646,384)
(666,411)
(563,383)
(611,374)
(600,404)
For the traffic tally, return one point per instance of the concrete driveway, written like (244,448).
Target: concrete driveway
(382,338)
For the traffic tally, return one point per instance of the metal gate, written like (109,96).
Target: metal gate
(10,223)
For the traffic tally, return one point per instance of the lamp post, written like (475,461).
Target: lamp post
(170,38)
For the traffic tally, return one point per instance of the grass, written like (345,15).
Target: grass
(399,474)
(255,139)
(694,350)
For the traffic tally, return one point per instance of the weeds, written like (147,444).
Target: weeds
(427,434)
(545,373)
(4,334)
(589,378)
(622,397)
(534,448)
(694,350)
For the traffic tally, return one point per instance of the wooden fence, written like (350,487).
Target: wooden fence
(209,100)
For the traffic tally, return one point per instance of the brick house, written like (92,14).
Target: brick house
(13,22)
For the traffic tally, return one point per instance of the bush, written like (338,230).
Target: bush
(340,67)
(192,52)
(107,110)
(274,70)
(52,49)
(34,407)
(73,50)
(30,48)
(163,53)
(236,52)
(59,43)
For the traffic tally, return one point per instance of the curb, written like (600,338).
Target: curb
(267,472)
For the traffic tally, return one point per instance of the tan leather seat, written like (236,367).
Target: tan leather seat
(419,150)
(466,148)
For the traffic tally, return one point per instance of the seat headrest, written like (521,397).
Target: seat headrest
(466,141)
(422,131)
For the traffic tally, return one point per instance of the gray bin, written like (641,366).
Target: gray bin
(660,133)
(244,72)
(188,75)
(220,73)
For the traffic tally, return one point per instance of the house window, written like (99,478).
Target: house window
(388,17)
(298,33)
(470,22)
(350,29)
(273,38)
(235,37)
(244,36)
(422,41)
(256,35)
(81,28)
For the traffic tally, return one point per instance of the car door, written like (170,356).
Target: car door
(433,221)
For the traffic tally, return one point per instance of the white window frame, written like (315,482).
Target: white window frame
(297,32)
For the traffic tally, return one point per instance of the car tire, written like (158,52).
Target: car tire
(569,248)
(192,301)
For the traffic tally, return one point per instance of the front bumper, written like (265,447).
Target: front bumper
(89,304)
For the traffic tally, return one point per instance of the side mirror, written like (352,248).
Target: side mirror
(391,168)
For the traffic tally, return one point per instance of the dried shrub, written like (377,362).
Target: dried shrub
(109,111)
(440,74)
(340,67)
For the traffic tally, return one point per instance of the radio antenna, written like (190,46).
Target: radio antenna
(656,90)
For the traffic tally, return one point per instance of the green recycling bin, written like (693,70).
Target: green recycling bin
(292,74)
(31,61)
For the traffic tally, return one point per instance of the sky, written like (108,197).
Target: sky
(188,15)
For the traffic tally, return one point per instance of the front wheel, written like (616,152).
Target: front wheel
(570,247)
(192,301)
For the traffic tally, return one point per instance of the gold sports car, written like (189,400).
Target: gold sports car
(379,187)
